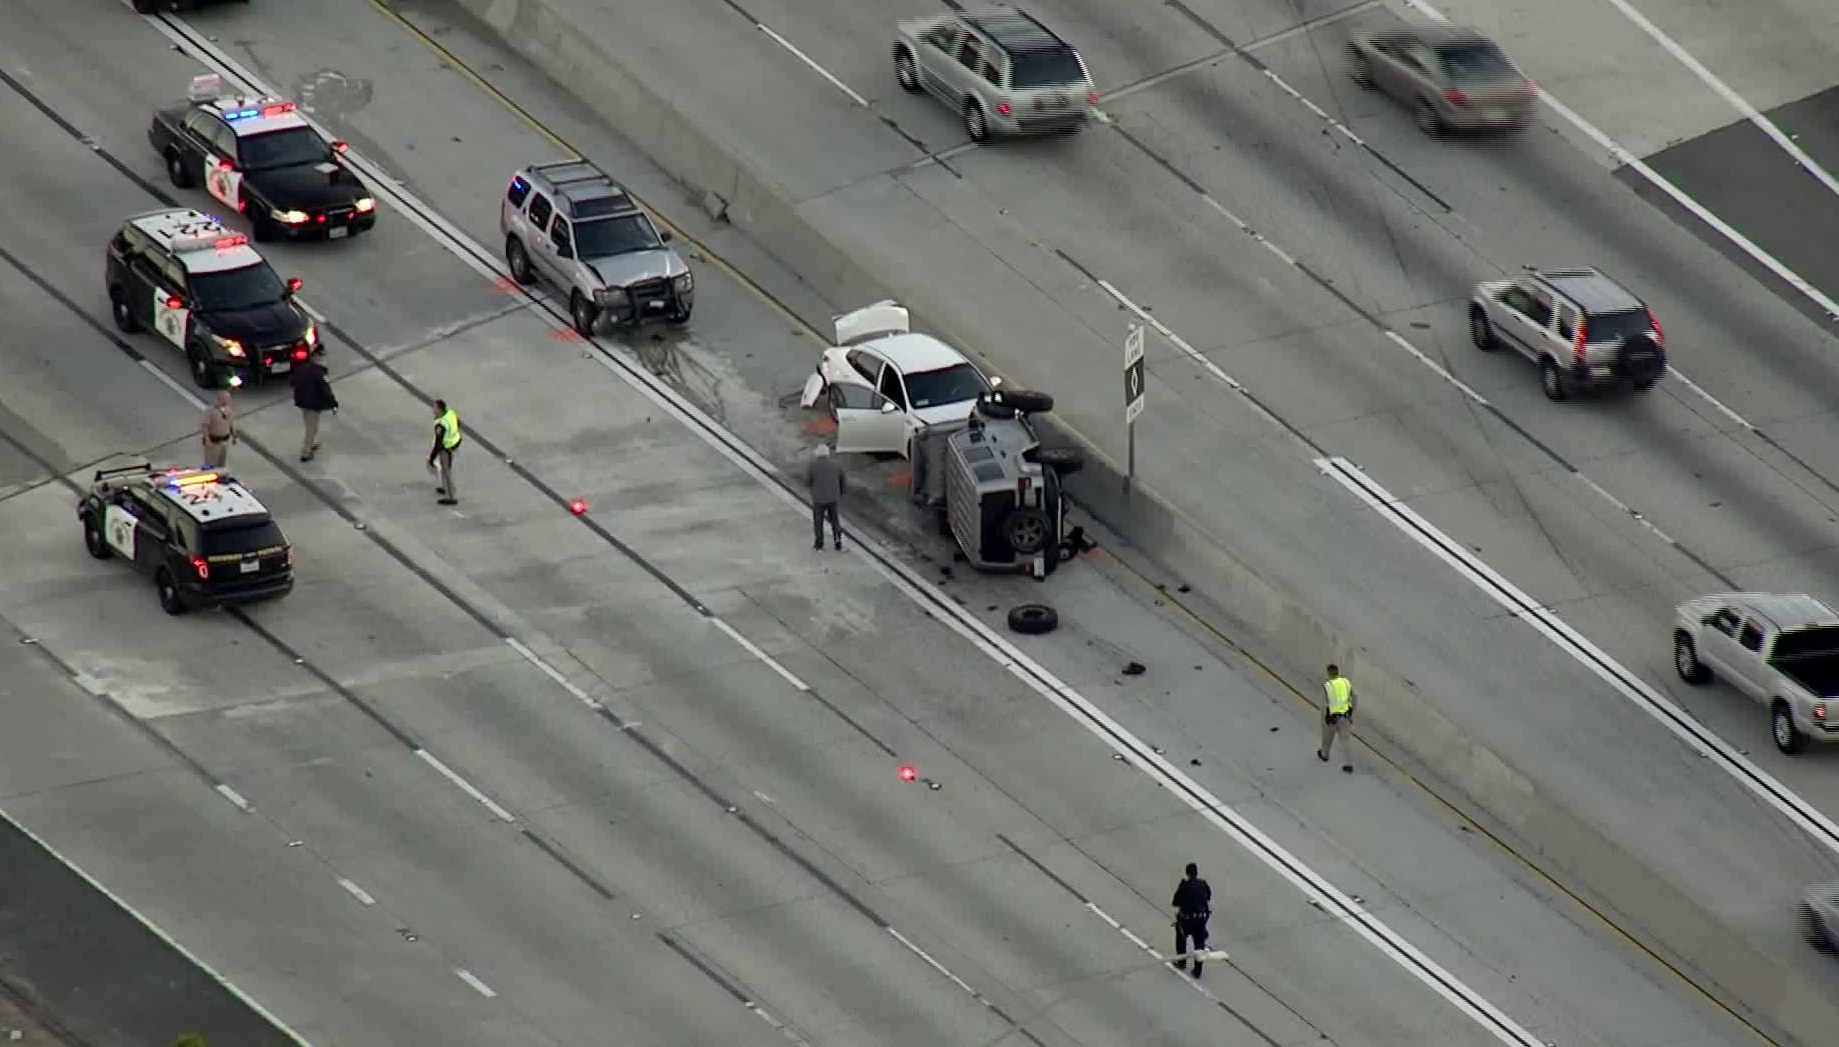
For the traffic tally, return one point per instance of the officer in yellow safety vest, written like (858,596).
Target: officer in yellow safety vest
(446,442)
(1336,715)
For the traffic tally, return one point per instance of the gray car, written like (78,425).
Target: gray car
(1452,78)
(569,223)
(1001,70)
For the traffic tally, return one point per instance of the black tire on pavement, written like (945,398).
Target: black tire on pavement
(1027,530)
(170,602)
(1062,460)
(1028,401)
(1033,619)
(93,541)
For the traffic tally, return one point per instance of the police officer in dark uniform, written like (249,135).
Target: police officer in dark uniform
(1193,904)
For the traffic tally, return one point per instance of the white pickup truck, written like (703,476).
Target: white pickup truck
(1782,649)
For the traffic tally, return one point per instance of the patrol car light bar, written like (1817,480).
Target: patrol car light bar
(194,479)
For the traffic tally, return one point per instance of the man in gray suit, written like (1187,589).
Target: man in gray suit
(827,486)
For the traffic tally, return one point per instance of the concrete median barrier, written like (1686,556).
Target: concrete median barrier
(1394,715)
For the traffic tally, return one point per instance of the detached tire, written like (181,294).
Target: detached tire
(1033,619)
(1062,460)
(1028,401)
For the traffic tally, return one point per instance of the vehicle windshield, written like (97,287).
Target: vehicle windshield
(289,148)
(240,537)
(610,236)
(1045,69)
(232,289)
(1611,327)
(1478,62)
(948,385)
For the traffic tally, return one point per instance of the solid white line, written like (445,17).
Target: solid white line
(357,892)
(936,965)
(754,649)
(1105,916)
(464,785)
(234,797)
(155,930)
(1132,937)
(550,671)
(473,980)
(1711,80)
(171,383)
(808,60)
(784,1029)
(1585,653)
(998,647)
(1654,178)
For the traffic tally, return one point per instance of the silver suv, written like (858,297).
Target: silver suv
(1004,72)
(1584,330)
(571,224)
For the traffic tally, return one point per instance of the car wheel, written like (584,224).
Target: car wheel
(583,313)
(1428,120)
(1481,331)
(170,601)
(1788,737)
(519,261)
(176,171)
(93,540)
(1033,619)
(1062,460)
(974,124)
(1026,530)
(204,372)
(1813,930)
(1028,401)
(904,70)
(1686,661)
(1552,379)
(122,312)
(262,228)
(1360,68)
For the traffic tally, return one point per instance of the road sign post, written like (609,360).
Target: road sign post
(1133,399)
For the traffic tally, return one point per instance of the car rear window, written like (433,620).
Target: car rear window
(1045,69)
(1611,327)
(239,537)
(1476,63)
(945,386)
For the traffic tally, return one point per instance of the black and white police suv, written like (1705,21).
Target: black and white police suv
(206,291)
(201,536)
(261,157)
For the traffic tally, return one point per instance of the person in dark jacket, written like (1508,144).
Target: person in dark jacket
(1193,904)
(312,394)
(828,483)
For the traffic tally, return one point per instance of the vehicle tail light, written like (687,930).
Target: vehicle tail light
(294,283)
(290,556)
(1003,108)
(1659,335)
(300,352)
(203,569)
(1092,97)
(1819,711)
(1577,348)
(173,302)
(339,147)
(225,165)
(1457,98)
(320,218)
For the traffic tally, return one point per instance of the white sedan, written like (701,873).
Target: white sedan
(884,384)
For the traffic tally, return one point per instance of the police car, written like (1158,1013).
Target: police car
(206,291)
(200,535)
(261,157)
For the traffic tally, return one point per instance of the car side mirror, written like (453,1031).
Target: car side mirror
(294,284)
(339,147)
(665,236)
(996,383)
(888,407)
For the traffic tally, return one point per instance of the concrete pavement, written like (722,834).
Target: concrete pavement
(714,818)
(977,249)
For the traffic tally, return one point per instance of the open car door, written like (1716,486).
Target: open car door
(866,421)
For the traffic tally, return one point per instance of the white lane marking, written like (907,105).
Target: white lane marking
(357,892)
(473,980)
(754,649)
(155,929)
(1737,101)
(812,62)
(1654,178)
(784,1029)
(171,383)
(1251,47)
(1585,653)
(550,671)
(1149,950)
(934,601)
(465,786)
(936,965)
(234,797)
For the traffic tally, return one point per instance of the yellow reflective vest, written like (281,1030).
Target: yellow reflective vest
(450,429)
(1340,696)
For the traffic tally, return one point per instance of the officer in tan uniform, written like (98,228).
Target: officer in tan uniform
(217,431)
